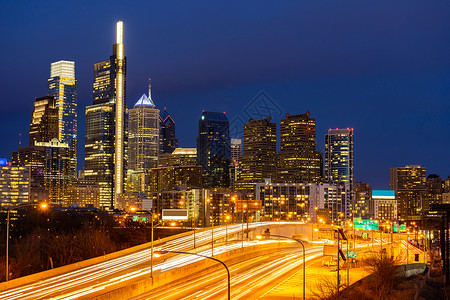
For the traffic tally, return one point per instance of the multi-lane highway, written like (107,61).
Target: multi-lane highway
(250,278)
(104,276)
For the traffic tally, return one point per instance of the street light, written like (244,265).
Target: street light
(151,242)
(227,218)
(42,205)
(304,256)
(196,254)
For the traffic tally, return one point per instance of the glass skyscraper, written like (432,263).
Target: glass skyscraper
(106,125)
(214,149)
(62,86)
(44,120)
(339,156)
(167,140)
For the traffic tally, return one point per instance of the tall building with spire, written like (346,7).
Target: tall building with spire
(106,125)
(143,138)
(62,86)
(167,140)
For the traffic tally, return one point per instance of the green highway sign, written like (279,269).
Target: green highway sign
(350,254)
(402,228)
(395,227)
(365,224)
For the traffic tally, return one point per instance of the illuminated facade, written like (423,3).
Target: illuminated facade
(108,144)
(57,179)
(167,178)
(362,200)
(179,157)
(99,150)
(194,200)
(44,120)
(298,159)
(409,185)
(236,152)
(62,86)
(14,185)
(214,149)
(384,205)
(33,157)
(260,153)
(167,140)
(298,201)
(143,135)
(339,156)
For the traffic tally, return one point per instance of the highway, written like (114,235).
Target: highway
(249,279)
(104,276)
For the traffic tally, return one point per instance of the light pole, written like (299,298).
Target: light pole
(151,241)
(196,254)
(227,217)
(42,205)
(304,256)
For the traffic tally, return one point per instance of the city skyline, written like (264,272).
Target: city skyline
(393,95)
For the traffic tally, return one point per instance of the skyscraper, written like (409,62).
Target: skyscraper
(213,149)
(143,135)
(339,156)
(106,126)
(167,140)
(44,120)
(260,153)
(62,86)
(409,184)
(298,159)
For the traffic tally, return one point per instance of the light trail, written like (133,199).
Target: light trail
(104,275)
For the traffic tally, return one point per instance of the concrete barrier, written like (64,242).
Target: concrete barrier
(85,263)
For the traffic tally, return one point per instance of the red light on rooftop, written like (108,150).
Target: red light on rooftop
(223,112)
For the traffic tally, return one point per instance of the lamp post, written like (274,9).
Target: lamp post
(304,256)
(42,205)
(151,241)
(227,217)
(196,254)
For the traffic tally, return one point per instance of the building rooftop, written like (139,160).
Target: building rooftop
(144,101)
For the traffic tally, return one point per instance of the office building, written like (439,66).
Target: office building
(194,200)
(236,152)
(362,197)
(44,120)
(167,178)
(409,185)
(179,157)
(33,157)
(143,137)
(167,140)
(300,201)
(384,205)
(14,185)
(214,149)
(258,161)
(339,156)
(106,125)
(62,86)
(57,177)
(298,159)
(434,189)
